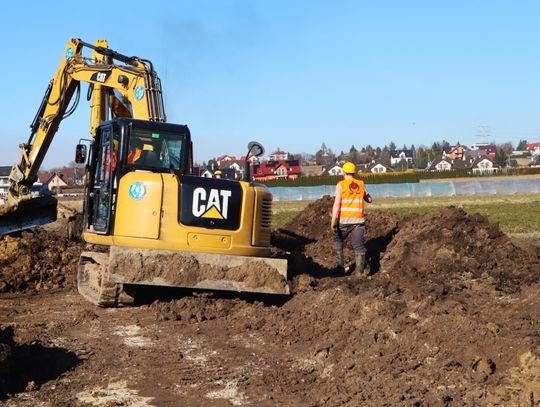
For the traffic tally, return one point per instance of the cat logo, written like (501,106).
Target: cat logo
(211,205)
(101,77)
(209,202)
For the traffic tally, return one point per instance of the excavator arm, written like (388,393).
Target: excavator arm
(119,86)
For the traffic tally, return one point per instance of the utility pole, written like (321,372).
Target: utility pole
(484,134)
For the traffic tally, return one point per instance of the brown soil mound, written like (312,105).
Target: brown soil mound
(451,250)
(37,260)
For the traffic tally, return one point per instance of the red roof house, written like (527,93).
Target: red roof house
(268,170)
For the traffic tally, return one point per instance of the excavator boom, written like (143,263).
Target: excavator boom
(129,90)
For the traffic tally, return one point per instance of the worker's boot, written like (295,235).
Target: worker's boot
(360,265)
(340,269)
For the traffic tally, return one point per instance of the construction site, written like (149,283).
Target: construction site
(160,287)
(448,316)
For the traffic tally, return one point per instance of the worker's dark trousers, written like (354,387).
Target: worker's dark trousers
(356,231)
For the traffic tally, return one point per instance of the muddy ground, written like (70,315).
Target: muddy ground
(449,316)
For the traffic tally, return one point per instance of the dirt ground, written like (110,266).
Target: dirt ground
(449,316)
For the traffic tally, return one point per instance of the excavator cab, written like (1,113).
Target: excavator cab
(128,145)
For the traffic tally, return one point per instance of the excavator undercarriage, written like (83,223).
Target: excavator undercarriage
(106,278)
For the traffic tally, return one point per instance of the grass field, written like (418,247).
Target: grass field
(518,215)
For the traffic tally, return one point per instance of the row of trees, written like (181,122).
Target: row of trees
(422,155)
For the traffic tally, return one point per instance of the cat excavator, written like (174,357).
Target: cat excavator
(147,220)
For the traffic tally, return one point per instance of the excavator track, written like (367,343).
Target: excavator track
(94,285)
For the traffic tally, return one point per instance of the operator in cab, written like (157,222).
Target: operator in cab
(135,150)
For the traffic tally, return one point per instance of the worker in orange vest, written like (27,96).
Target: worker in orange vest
(348,217)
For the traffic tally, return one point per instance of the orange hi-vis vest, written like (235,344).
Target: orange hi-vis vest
(134,156)
(352,201)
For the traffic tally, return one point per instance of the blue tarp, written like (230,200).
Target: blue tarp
(446,188)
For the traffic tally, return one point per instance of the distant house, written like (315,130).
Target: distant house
(221,160)
(278,155)
(56,181)
(474,154)
(533,148)
(67,175)
(206,173)
(236,165)
(484,166)
(535,162)
(376,168)
(268,170)
(455,152)
(490,149)
(461,164)
(226,162)
(440,164)
(252,159)
(396,156)
(4,182)
(235,169)
(73,175)
(334,171)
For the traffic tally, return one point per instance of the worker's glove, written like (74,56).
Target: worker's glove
(333,225)
(368,198)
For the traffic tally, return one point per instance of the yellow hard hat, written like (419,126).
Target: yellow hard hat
(218,172)
(349,168)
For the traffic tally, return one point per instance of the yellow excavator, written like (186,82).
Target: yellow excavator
(147,218)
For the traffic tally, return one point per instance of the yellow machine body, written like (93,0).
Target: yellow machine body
(152,221)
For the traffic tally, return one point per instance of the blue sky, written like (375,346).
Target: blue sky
(293,74)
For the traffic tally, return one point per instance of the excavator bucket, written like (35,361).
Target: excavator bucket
(27,214)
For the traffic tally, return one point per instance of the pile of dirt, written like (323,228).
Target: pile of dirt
(452,250)
(37,260)
(446,249)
